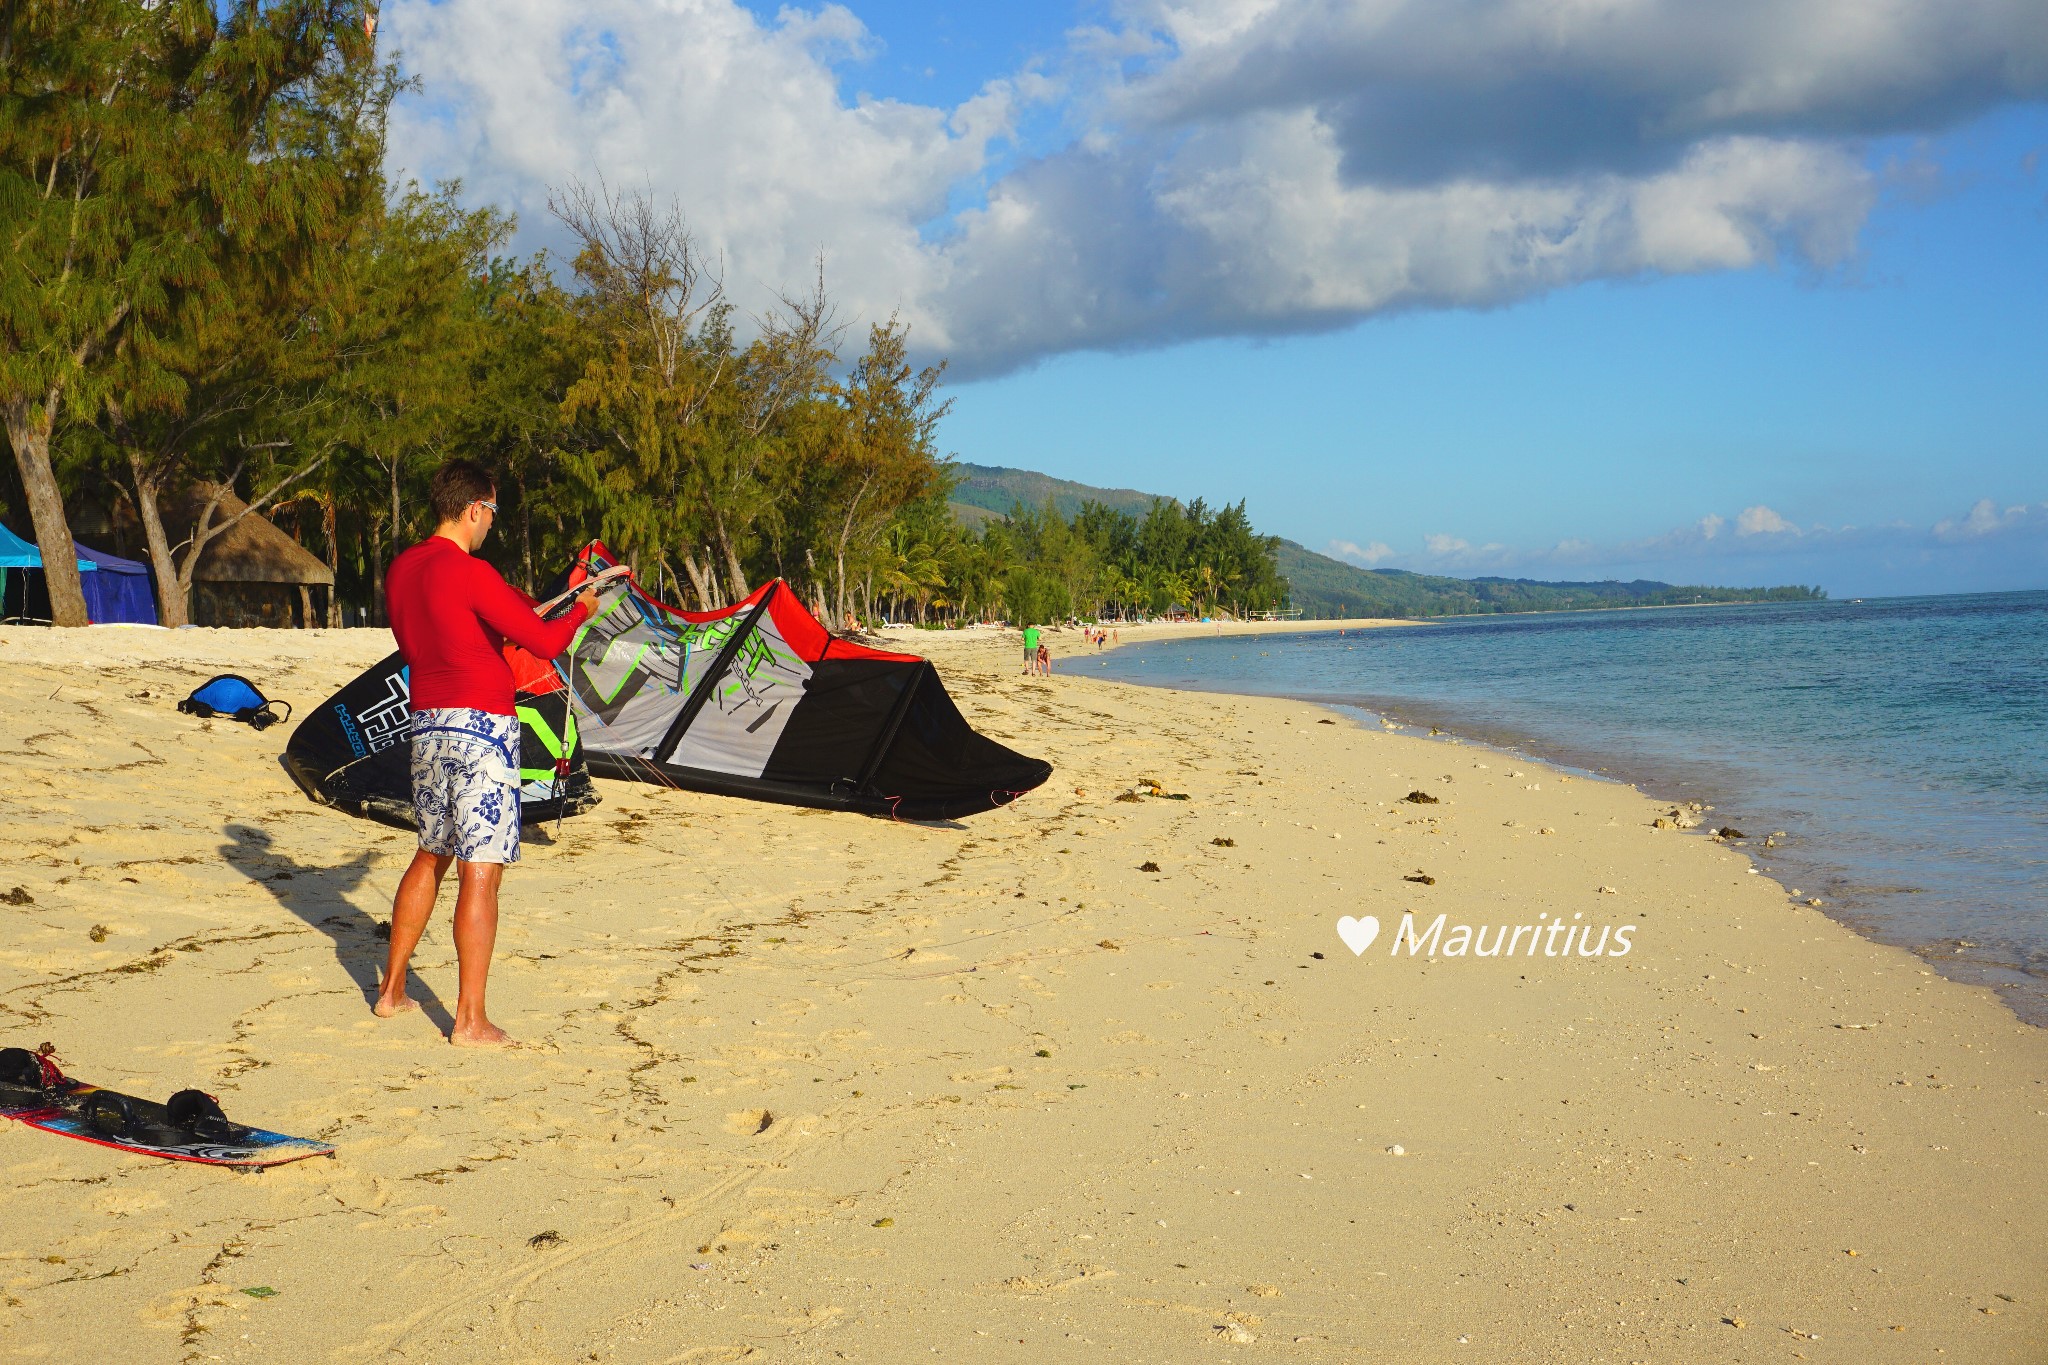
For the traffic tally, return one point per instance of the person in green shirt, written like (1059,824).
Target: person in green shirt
(1031,649)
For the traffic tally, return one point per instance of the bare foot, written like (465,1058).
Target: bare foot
(486,1034)
(386,1006)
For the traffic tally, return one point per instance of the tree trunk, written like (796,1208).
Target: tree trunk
(330,523)
(29,433)
(846,534)
(377,571)
(173,605)
(526,536)
(733,572)
(305,607)
(817,588)
(203,530)
(699,581)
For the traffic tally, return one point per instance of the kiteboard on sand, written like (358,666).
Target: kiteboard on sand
(189,1127)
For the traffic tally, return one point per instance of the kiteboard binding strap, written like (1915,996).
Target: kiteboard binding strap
(199,1114)
(25,1070)
(107,1114)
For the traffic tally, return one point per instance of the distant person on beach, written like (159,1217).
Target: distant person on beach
(1030,650)
(452,615)
(1044,659)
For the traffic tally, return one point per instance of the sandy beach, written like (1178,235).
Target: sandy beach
(1090,1077)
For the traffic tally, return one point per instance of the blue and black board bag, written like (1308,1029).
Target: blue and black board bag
(235,697)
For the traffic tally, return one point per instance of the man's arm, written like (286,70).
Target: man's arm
(506,612)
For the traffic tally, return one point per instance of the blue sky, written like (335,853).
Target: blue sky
(1905,386)
(1756,302)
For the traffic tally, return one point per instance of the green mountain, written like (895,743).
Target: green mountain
(994,490)
(1324,587)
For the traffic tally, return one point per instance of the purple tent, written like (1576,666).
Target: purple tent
(119,592)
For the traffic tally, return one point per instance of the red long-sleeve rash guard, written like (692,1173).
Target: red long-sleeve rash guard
(452,615)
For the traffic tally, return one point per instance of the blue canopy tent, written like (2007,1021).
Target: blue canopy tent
(22,555)
(118,593)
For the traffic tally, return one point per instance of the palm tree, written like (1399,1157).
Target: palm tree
(911,568)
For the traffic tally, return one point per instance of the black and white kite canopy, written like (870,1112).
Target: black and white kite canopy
(760,700)
(354,750)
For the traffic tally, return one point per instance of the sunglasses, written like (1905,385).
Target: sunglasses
(487,505)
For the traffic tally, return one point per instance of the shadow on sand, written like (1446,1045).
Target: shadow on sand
(320,897)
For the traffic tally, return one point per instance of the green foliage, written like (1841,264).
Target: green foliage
(1031,597)
(209,287)
(1325,587)
(1101,561)
(1143,566)
(134,162)
(996,490)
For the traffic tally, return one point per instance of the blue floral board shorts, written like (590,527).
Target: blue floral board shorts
(465,784)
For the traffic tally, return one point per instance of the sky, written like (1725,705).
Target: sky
(1742,293)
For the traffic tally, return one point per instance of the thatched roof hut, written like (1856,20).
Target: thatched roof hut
(253,550)
(251,574)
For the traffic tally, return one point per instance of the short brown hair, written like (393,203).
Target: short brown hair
(457,484)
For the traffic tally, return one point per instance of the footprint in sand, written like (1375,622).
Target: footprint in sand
(749,1122)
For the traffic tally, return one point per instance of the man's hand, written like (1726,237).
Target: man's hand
(587,599)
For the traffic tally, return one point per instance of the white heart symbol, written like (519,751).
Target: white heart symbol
(1358,934)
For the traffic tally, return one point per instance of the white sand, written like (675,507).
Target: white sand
(784,1098)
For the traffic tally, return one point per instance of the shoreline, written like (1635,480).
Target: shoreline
(811,1086)
(1158,630)
(1802,858)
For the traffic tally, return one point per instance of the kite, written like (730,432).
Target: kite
(354,750)
(759,700)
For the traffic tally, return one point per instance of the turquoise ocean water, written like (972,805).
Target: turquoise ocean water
(1900,743)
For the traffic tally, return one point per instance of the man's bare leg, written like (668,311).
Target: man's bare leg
(476,933)
(411,908)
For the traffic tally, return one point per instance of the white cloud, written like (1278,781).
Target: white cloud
(1423,91)
(1773,550)
(1235,166)
(1986,519)
(742,122)
(1366,556)
(1762,521)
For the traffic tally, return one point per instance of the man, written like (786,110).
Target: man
(1030,650)
(452,615)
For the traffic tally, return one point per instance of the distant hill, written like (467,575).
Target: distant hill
(995,490)
(1324,587)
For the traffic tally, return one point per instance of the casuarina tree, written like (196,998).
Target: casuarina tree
(126,177)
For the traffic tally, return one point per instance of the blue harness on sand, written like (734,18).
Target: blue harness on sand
(235,697)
